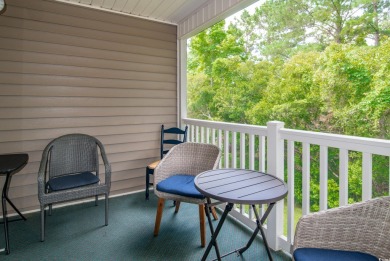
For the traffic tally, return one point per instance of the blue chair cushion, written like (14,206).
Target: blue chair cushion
(180,184)
(317,254)
(72,181)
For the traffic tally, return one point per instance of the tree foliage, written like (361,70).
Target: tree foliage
(315,65)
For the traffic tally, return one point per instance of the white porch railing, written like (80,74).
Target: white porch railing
(266,152)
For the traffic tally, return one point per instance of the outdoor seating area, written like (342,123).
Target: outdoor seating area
(77,233)
(183,130)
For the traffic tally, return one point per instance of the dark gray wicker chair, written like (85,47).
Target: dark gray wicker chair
(69,170)
(360,231)
(177,170)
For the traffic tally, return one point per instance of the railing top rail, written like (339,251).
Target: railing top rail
(354,143)
(234,127)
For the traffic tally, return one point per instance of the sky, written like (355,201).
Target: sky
(250,9)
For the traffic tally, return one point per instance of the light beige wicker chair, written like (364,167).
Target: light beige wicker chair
(362,227)
(186,159)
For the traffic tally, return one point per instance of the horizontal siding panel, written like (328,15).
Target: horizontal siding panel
(66,91)
(133,155)
(31,179)
(23,191)
(49,123)
(120,192)
(39,145)
(128,174)
(28,135)
(29,101)
(142,149)
(85,33)
(48,80)
(132,164)
(62,70)
(62,49)
(29,174)
(153,145)
(123,184)
(43,112)
(65,69)
(94,15)
(48,17)
(33,57)
(40,36)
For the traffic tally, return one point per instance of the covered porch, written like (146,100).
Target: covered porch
(116,70)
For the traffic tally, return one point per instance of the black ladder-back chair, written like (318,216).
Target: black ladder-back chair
(164,150)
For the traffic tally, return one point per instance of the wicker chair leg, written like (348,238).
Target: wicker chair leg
(177,206)
(106,207)
(214,213)
(160,208)
(42,223)
(147,184)
(202,225)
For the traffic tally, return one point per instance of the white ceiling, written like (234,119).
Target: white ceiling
(167,11)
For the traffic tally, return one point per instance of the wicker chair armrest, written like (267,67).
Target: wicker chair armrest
(107,166)
(42,172)
(360,227)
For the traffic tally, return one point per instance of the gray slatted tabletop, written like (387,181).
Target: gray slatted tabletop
(239,186)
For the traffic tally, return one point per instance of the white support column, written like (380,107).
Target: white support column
(275,166)
(181,81)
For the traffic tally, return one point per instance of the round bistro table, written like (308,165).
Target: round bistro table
(239,186)
(9,165)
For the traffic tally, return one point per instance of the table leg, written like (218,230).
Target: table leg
(15,208)
(214,235)
(5,221)
(259,223)
(5,195)
(208,210)
(4,200)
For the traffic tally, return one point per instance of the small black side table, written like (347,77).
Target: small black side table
(239,186)
(9,165)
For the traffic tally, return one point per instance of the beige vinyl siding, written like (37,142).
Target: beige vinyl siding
(67,69)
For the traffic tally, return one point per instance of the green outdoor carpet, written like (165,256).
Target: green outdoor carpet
(78,233)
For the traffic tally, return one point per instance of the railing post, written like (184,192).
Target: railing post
(275,166)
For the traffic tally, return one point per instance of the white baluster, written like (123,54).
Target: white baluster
(323,177)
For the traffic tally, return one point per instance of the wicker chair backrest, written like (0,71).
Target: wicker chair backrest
(73,153)
(188,158)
